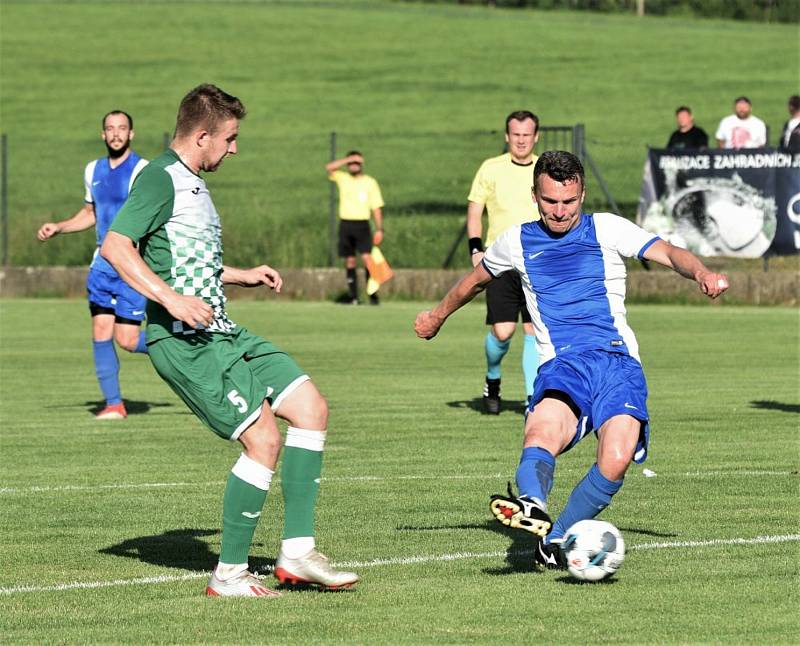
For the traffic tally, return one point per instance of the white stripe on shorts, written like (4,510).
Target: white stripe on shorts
(249,420)
(288,391)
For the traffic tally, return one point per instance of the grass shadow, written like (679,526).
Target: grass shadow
(519,554)
(133,407)
(181,549)
(646,532)
(773,405)
(476,404)
(568,580)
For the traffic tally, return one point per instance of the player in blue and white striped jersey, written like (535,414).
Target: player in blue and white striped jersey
(590,378)
(117,309)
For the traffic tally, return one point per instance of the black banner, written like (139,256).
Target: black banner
(741,203)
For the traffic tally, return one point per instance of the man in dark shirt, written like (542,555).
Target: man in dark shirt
(790,135)
(687,135)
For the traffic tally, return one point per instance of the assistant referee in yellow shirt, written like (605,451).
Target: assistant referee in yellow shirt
(503,186)
(359,199)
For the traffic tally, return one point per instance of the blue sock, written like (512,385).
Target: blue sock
(106,366)
(530,362)
(141,346)
(591,496)
(495,351)
(535,473)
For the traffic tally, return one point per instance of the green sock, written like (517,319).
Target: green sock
(244,499)
(300,475)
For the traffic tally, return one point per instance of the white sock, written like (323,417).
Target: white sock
(225,571)
(294,548)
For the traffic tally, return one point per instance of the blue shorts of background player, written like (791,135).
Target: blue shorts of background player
(112,295)
(117,312)
(576,394)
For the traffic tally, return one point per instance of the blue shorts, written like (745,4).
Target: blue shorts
(112,293)
(601,384)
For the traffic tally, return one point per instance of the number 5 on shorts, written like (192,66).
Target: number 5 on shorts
(237,400)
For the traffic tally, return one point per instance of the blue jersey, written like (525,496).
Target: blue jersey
(574,283)
(107,189)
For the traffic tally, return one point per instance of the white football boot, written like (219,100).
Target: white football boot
(315,569)
(245,584)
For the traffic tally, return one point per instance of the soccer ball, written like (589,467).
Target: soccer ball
(594,550)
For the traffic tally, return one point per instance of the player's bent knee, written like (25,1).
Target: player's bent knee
(550,437)
(305,408)
(613,462)
(127,344)
(262,444)
(503,333)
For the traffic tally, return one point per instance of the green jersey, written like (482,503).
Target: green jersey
(169,213)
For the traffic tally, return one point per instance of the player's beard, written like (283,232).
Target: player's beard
(117,153)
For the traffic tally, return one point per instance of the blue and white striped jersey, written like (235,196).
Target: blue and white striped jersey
(574,284)
(107,189)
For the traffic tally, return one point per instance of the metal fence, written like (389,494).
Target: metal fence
(276,203)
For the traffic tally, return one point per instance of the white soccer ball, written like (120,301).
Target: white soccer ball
(594,550)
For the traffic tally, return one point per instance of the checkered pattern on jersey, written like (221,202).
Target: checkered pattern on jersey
(197,268)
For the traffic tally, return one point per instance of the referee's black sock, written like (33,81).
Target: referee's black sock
(352,283)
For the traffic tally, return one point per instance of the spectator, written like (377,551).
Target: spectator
(687,135)
(790,135)
(742,129)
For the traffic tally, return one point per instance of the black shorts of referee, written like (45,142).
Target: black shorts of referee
(505,300)
(355,237)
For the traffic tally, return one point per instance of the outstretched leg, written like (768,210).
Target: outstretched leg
(617,441)
(299,561)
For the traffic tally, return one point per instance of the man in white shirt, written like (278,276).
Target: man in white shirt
(742,129)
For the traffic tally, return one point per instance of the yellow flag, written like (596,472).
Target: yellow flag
(379,270)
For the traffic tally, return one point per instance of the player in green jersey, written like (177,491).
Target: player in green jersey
(234,381)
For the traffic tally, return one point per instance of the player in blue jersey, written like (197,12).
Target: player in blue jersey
(117,309)
(590,379)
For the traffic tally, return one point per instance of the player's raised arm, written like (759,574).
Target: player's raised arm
(428,323)
(261,275)
(336,164)
(689,266)
(120,251)
(82,220)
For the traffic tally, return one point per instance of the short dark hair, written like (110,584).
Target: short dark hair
(108,114)
(522,115)
(794,102)
(683,108)
(204,107)
(353,152)
(742,98)
(560,165)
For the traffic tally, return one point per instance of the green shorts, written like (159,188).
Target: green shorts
(225,378)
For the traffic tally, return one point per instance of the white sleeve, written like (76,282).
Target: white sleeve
(498,258)
(721,130)
(136,170)
(88,173)
(621,235)
(761,136)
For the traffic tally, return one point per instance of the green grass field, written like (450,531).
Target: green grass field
(421,89)
(109,529)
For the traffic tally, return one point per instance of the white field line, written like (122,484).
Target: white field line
(407,560)
(163,485)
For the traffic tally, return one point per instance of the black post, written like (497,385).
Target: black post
(4,195)
(332,211)
(579,140)
(454,248)
(603,186)
(166,140)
